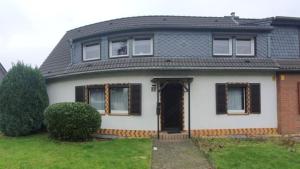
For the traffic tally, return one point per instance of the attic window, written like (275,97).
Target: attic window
(142,46)
(222,46)
(91,51)
(118,48)
(245,47)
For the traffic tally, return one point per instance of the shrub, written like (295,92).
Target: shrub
(23,99)
(72,121)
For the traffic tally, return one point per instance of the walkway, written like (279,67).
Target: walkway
(177,155)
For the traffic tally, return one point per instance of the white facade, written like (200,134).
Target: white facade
(203,99)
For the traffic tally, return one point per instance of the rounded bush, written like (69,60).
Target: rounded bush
(72,121)
(23,99)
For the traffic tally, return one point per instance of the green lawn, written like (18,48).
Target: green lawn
(251,154)
(40,152)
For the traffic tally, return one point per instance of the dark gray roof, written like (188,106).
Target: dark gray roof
(2,72)
(59,60)
(159,22)
(288,64)
(170,63)
(2,68)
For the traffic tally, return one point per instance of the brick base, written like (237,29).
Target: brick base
(227,132)
(128,133)
(194,133)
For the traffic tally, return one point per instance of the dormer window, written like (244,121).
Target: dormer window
(222,46)
(142,46)
(91,51)
(245,47)
(119,48)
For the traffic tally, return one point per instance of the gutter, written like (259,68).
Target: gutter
(159,68)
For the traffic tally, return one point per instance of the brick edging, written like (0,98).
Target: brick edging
(195,133)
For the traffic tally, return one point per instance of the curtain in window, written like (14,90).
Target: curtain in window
(235,98)
(119,100)
(97,98)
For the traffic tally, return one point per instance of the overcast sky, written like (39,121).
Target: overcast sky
(29,29)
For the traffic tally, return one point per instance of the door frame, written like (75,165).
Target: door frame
(181,102)
(158,85)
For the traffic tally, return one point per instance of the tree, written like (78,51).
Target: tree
(23,98)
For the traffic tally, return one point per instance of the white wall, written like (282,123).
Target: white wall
(64,90)
(203,113)
(203,102)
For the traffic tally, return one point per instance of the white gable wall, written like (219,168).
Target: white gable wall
(203,113)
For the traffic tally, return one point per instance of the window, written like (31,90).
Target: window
(118,48)
(119,100)
(91,51)
(222,46)
(236,99)
(96,99)
(245,47)
(142,46)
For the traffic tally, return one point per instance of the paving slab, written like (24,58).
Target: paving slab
(177,155)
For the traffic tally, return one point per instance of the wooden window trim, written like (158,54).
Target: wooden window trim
(89,87)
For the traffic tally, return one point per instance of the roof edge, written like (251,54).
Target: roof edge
(2,68)
(286,21)
(162,69)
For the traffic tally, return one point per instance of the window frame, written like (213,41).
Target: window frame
(146,54)
(119,113)
(89,95)
(230,39)
(252,43)
(242,111)
(84,45)
(118,56)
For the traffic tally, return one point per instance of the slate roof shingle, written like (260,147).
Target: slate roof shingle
(58,62)
(169,63)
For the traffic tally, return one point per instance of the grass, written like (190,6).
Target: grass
(251,153)
(40,152)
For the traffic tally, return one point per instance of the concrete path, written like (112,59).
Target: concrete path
(177,155)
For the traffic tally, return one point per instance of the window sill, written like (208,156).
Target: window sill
(237,114)
(242,56)
(148,55)
(117,57)
(91,60)
(222,55)
(118,114)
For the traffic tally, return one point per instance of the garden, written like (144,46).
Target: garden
(36,135)
(251,153)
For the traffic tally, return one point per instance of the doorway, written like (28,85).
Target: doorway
(172,108)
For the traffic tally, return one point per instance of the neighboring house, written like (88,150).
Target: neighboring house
(202,75)
(2,72)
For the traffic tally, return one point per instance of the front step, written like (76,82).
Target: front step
(173,136)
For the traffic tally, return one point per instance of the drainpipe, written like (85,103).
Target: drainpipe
(158,107)
(189,112)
